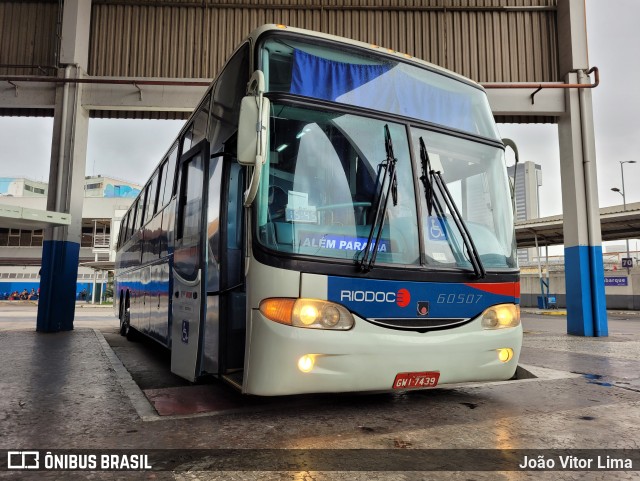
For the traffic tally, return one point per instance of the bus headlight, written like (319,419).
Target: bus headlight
(310,313)
(501,316)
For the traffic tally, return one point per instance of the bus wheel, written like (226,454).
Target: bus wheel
(130,333)
(121,313)
(125,326)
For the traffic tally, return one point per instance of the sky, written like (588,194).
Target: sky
(613,36)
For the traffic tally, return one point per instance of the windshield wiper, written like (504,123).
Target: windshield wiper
(386,168)
(432,177)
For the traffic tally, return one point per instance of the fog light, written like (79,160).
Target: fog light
(505,354)
(306,363)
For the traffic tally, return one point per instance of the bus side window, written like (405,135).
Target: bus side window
(190,206)
(139,210)
(227,95)
(161,179)
(122,236)
(198,128)
(125,228)
(151,198)
(130,219)
(145,213)
(170,175)
(134,211)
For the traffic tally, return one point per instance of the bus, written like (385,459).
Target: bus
(333,217)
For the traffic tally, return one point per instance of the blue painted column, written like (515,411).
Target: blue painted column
(61,246)
(584,270)
(56,307)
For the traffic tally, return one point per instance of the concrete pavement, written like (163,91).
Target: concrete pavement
(66,391)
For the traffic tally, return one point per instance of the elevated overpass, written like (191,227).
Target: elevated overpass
(616,223)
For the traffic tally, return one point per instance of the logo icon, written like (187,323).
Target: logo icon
(403,298)
(23,460)
(423,308)
(436,229)
(185,332)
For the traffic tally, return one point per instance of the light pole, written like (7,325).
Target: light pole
(621,192)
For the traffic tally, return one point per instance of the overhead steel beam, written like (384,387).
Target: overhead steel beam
(27,95)
(547,102)
(166,98)
(111,93)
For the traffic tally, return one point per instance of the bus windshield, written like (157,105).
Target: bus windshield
(476,177)
(379,82)
(320,186)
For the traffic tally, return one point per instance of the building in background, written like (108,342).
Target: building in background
(106,201)
(21,187)
(527,182)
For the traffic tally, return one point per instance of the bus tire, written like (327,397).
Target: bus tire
(131,334)
(121,311)
(125,324)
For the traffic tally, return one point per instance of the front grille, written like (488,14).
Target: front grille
(420,325)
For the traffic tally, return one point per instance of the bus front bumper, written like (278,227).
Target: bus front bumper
(369,357)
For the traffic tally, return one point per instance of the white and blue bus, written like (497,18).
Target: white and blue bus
(333,217)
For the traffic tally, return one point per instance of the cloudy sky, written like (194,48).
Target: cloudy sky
(614,39)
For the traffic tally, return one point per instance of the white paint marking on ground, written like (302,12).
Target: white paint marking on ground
(540,373)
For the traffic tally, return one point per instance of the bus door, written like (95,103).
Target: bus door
(188,262)
(225,324)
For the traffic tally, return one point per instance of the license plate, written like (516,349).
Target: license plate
(409,380)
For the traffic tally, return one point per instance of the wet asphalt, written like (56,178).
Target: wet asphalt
(59,391)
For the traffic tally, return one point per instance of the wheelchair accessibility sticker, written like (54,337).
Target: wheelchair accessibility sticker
(185,332)
(436,229)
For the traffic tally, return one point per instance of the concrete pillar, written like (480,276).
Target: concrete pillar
(61,246)
(586,308)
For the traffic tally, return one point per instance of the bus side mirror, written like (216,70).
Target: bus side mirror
(514,147)
(253,132)
(512,183)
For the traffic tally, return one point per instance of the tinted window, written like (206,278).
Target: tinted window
(170,175)
(122,237)
(130,217)
(191,198)
(151,198)
(162,173)
(358,77)
(198,128)
(227,96)
(139,211)
(132,222)
(188,233)
(213,225)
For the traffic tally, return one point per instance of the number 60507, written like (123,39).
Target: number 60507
(459,298)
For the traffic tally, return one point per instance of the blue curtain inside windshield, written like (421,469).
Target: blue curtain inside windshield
(386,87)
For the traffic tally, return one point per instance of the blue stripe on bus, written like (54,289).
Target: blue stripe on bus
(377,299)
